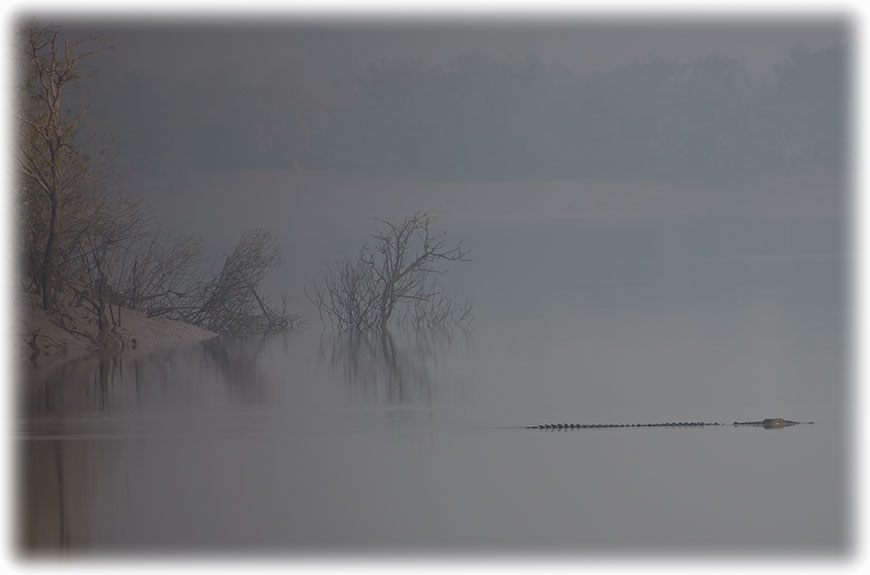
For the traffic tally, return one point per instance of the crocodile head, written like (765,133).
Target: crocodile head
(777,423)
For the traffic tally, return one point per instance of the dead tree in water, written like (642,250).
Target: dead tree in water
(394,280)
(231,301)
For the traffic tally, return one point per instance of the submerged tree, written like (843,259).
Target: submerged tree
(394,280)
(231,301)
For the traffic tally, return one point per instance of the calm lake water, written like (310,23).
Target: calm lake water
(594,303)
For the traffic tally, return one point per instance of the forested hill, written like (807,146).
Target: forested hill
(498,116)
(485,116)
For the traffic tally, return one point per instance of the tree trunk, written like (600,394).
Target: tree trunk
(54,131)
(48,257)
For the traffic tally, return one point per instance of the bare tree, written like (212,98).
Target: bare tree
(348,296)
(87,245)
(161,273)
(231,301)
(104,244)
(53,165)
(394,280)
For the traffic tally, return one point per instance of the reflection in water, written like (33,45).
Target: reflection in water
(375,368)
(73,456)
(47,522)
(106,382)
(237,358)
(64,543)
(163,459)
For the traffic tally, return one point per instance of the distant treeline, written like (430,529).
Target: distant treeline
(486,116)
(493,116)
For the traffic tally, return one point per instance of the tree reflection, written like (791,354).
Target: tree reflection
(238,359)
(83,384)
(79,430)
(62,531)
(106,382)
(377,368)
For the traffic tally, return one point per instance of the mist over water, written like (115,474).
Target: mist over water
(595,302)
(657,220)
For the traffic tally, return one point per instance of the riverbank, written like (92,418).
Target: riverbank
(40,344)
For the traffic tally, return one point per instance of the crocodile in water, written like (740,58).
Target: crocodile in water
(772,423)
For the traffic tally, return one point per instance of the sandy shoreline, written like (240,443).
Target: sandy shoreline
(40,345)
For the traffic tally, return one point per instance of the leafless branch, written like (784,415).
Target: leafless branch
(392,280)
(231,300)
